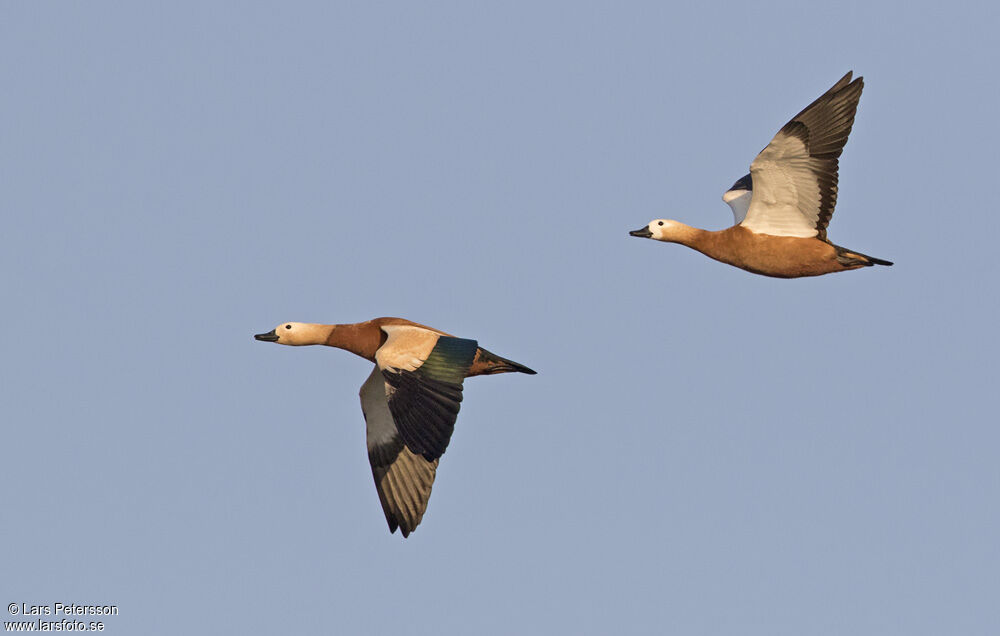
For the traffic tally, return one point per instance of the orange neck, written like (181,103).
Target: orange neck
(362,339)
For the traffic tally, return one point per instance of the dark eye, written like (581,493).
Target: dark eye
(660,223)
(289,326)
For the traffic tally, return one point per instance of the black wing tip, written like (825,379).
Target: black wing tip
(743,183)
(846,80)
(393,525)
(846,83)
(840,87)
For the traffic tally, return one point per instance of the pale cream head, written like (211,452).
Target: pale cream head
(296,334)
(661,230)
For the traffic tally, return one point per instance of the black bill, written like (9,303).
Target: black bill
(270,336)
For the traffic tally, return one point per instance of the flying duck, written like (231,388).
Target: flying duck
(410,400)
(783,206)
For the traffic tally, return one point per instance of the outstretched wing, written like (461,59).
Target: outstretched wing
(795,176)
(403,480)
(410,402)
(423,371)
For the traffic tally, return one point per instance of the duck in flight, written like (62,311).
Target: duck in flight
(410,401)
(783,206)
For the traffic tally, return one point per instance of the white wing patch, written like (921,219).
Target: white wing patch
(406,348)
(786,198)
(739,201)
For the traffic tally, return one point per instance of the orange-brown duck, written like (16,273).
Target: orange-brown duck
(410,401)
(783,206)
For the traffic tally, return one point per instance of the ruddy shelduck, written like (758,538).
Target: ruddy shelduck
(783,206)
(410,401)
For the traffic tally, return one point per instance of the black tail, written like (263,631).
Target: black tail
(850,257)
(519,368)
(487,363)
(878,261)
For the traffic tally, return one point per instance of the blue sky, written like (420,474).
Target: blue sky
(703,451)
